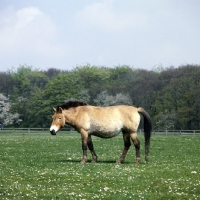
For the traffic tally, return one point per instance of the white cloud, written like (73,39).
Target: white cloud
(27,16)
(100,32)
(102,15)
(27,32)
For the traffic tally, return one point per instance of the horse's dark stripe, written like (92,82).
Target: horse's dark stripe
(71,104)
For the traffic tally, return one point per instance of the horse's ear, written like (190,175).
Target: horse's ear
(54,109)
(60,110)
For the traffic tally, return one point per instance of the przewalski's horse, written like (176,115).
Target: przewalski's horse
(104,122)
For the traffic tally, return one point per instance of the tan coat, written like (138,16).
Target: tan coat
(104,122)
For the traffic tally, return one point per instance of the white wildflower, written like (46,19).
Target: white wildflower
(106,188)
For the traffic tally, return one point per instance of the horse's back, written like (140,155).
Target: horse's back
(109,121)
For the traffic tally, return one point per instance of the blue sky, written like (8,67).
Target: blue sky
(64,34)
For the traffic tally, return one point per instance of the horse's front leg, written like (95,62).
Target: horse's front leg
(84,136)
(91,148)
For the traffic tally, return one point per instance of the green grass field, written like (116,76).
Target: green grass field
(41,166)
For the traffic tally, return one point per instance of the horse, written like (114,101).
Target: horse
(103,122)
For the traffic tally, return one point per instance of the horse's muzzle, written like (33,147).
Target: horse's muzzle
(53,132)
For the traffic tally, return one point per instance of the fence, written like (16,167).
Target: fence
(31,130)
(69,129)
(177,132)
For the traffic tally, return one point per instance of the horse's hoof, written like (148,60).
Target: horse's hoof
(118,162)
(94,160)
(83,162)
(137,161)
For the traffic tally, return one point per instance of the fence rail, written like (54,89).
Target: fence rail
(31,130)
(69,129)
(177,132)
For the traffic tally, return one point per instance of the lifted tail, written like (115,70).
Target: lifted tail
(147,130)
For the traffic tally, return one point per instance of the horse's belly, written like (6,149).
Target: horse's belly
(105,132)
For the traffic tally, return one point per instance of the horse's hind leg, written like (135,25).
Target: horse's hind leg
(91,148)
(136,143)
(127,144)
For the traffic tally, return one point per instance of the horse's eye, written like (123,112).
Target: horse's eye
(59,118)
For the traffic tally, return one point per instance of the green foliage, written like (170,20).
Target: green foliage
(32,93)
(6,84)
(57,91)
(94,79)
(120,78)
(63,87)
(179,94)
(26,80)
(166,120)
(40,166)
(27,84)
(6,117)
(104,99)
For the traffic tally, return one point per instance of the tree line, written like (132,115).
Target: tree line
(170,95)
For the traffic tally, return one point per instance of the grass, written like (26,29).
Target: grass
(40,166)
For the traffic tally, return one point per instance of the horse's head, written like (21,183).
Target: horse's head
(58,120)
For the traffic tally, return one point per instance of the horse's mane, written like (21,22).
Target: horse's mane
(70,104)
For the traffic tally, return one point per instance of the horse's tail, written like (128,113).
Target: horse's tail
(147,130)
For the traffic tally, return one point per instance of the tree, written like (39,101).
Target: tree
(94,79)
(104,99)
(27,83)
(6,117)
(119,80)
(179,94)
(57,91)
(84,96)
(26,80)
(6,83)
(167,94)
(52,73)
(166,120)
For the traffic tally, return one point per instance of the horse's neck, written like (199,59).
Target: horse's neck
(70,115)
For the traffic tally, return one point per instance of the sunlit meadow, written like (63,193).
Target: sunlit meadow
(41,166)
